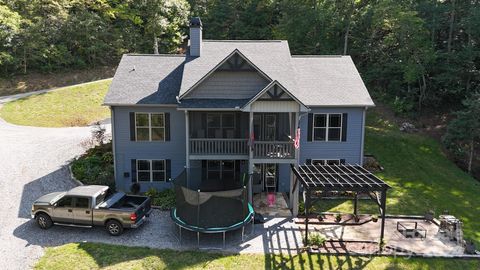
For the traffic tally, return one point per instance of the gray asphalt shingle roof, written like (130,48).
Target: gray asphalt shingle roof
(329,81)
(314,80)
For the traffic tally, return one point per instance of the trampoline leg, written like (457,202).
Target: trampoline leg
(243,231)
(198,239)
(223,240)
(180,234)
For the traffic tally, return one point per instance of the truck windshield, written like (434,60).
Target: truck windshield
(101,198)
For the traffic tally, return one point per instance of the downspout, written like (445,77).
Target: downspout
(362,145)
(112,115)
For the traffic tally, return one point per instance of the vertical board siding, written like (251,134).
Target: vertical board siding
(126,150)
(227,84)
(350,150)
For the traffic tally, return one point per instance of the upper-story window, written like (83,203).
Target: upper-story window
(327,127)
(221,125)
(150,126)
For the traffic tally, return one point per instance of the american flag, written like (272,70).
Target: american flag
(296,141)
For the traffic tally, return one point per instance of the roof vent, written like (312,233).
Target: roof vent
(195,36)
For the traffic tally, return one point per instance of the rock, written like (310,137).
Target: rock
(408,127)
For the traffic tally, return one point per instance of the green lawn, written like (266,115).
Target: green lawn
(102,256)
(421,176)
(69,106)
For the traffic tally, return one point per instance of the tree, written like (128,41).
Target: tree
(164,19)
(463,133)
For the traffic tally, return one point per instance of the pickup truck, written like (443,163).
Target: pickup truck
(88,206)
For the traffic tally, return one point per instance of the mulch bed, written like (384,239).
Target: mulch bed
(352,247)
(330,219)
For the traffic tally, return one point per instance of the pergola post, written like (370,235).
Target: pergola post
(355,205)
(307,213)
(383,202)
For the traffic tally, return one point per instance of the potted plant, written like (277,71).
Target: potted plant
(429,215)
(320,217)
(316,240)
(374,218)
(338,218)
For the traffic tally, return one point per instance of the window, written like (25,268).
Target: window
(221,125)
(151,170)
(65,202)
(217,169)
(150,126)
(326,161)
(82,203)
(327,127)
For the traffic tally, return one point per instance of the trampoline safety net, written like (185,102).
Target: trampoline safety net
(209,210)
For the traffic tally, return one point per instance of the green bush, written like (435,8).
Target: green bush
(316,239)
(95,167)
(164,199)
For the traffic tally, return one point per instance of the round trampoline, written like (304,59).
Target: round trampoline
(210,206)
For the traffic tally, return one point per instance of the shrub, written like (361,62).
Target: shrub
(95,167)
(164,199)
(316,239)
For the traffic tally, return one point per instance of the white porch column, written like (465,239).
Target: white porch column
(294,192)
(187,141)
(250,159)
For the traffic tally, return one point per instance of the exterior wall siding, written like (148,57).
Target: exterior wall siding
(350,150)
(227,84)
(126,150)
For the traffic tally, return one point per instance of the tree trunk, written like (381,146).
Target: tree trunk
(24,60)
(450,31)
(155,44)
(345,42)
(470,158)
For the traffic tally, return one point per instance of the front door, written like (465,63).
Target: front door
(63,210)
(82,212)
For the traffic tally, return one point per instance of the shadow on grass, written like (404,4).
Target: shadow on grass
(315,261)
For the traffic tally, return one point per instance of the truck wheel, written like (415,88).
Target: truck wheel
(44,221)
(114,227)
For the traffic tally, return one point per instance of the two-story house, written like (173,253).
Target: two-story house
(233,107)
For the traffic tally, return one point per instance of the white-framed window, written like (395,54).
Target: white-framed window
(327,127)
(326,161)
(149,126)
(151,170)
(221,169)
(221,125)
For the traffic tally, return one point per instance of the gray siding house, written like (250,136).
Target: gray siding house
(233,108)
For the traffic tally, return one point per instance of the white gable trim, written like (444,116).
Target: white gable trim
(236,51)
(247,107)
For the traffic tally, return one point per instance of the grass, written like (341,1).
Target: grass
(103,256)
(33,81)
(68,106)
(421,176)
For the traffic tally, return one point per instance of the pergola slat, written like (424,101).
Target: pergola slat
(344,177)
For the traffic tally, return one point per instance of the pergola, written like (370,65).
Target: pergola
(343,177)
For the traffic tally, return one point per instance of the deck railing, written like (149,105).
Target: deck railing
(261,149)
(218,146)
(274,150)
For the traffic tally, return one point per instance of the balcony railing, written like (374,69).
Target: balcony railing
(218,147)
(261,149)
(273,150)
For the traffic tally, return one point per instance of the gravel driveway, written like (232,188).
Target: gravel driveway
(32,163)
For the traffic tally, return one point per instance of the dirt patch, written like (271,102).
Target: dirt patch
(39,81)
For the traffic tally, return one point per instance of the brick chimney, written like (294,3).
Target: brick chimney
(195,36)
